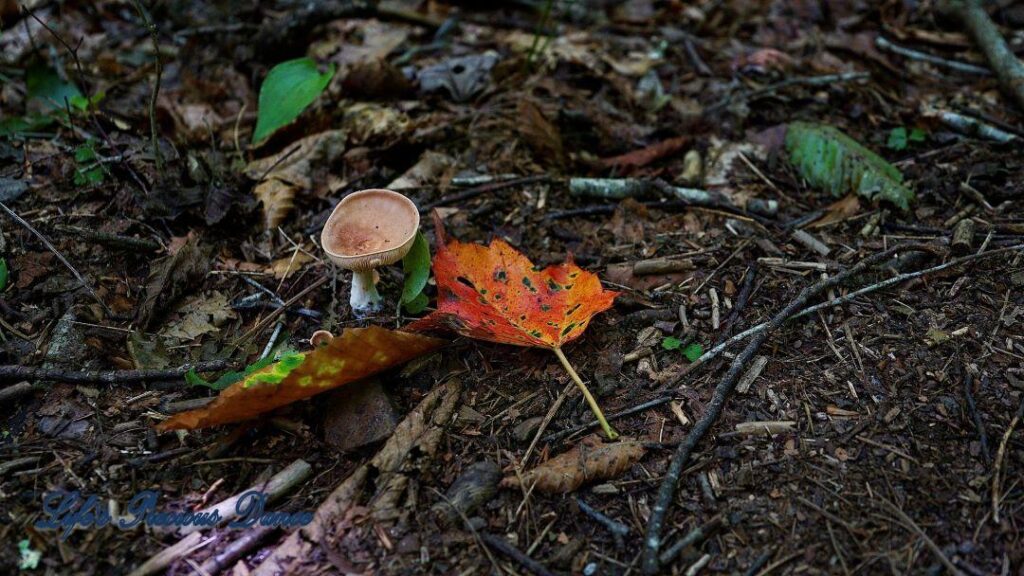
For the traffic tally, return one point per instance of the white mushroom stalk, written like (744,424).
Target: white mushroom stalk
(369,229)
(365,300)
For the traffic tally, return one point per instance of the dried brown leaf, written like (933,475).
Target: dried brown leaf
(588,461)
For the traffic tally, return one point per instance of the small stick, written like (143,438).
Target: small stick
(56,253)
(19,372)
(546,421)
(503,547)
(168,555)
(154,135)
(280,484)
(1000,454)
(611,433)
(741,300)
(759,563)
(1008,68)
(627,412)
(725,387)
(15,391)
(972,411)
(698,534)
(917,530)
(618,529)
(717,350)
(931,59)
(824,80)
(480,190)
(236,549)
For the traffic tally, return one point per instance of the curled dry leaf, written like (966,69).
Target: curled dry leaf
(281,176)
(589,461)
(356,354)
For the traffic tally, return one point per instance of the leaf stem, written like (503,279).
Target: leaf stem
(608,430)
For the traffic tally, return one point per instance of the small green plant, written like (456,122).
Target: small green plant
(3,274)
(691,351)
(29,557)
(289,88)
(416,266)
(90,170)
(899,138)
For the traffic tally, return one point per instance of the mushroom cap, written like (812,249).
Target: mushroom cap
(370,228)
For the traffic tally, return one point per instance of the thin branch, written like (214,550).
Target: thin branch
(667,491)
(717,350)
(19,372)
(58,254)
(154,135)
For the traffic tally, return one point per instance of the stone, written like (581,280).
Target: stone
(358,414)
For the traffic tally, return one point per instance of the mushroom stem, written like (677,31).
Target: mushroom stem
(365,299)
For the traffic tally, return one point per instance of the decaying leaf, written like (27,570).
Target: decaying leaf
(198,316)
(831,160)
(495,293)
(281,176)
(171,278)
(356,354)
(589,461)
(540,134)
(842,209)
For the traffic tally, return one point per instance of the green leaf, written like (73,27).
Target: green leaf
(3,274)
(671,343)
(416,266)
(831,160)
(417,304)
(88,171)
(897,139)
(10,127)
(288,361)
(288,89)
(43,83)
(917,135)
(693,351)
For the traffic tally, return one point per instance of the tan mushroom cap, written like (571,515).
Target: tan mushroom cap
(370,228)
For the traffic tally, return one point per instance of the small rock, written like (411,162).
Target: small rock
(525,430)
(358,414)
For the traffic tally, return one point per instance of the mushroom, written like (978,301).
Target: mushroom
(367,229)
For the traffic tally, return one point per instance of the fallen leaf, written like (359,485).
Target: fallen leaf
(842,209)
(644,156)
(171,278)
(199,316)
(495,293)
(540,134)
(356,354)
(589,461)
(296,168)
(285,267)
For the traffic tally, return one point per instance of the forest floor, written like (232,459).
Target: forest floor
(877,437)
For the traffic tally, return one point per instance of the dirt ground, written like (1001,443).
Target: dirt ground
(880,437)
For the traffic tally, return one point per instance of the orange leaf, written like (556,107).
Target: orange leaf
(494,293)
(356,354)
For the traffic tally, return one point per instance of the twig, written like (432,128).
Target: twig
(503,547)
(618,529)
(546,421)
(154,136)
(824,80)
(169,555)
(909,522)
(970,126)
(115,240)
(698,534)
(652,543)
(278,485)
(1001,58)
(717,350)
(741,300)
(480,190)
(1000,454)
(924,57)
(270,317)
(627,412)
(19,372)
(972,411)
(59,256)
(759,563)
